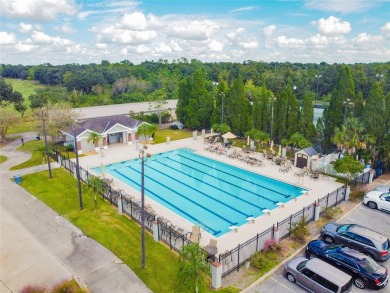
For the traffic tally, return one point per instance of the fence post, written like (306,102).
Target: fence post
(120,204)
(347,190)
(327,200)
(110,195)
(155,231)
(257,241)
(238,257)
(289,230)
(276,232)
(303,214)
(317,210)
(216,274)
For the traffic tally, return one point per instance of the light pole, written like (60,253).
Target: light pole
(318,76)
(346,104)
(47,148)
(222,98)
(143,157)
(272,117)
(379,77)
(78,168)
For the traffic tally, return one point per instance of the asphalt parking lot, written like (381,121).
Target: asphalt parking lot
(374,219)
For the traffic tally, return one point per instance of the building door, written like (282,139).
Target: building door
(301,160)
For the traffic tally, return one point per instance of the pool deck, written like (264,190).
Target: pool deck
(317,188)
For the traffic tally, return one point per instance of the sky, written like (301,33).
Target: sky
(305,31)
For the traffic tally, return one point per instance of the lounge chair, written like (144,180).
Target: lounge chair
(195,234)
(211,249)
(315,175)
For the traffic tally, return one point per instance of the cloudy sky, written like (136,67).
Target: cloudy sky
(81,31)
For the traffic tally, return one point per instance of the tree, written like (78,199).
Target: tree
(239,108)
(293,113)
(158,103)
(193,269)
(306,120)
(7,94)
(147,129)
(348,166)
(7,119)
(222,128)
(98,186)
(20,106)
(95,138)
(298,140)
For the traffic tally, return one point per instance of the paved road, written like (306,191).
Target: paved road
(374,219)
(38,246)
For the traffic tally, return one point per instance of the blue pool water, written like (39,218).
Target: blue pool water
(204,191)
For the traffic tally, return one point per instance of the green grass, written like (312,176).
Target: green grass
(3,159)
(37,149)
(161,135)
(25,87)
(116,232)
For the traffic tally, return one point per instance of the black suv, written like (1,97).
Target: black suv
(364,270)
(365,240)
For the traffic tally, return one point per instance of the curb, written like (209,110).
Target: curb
(302,248)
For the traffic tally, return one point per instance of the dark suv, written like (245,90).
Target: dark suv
(364,270)
(358,237)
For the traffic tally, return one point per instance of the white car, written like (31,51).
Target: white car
(378,200)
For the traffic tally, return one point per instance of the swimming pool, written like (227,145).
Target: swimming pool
(206,192)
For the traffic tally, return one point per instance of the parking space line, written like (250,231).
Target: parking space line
(281,284)
(352,220)
(375,212)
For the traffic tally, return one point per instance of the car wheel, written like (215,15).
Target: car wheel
(312,255)
(360,283)
(290,277)
(328,239)
(372,205)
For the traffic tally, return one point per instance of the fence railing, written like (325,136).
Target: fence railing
(231,259)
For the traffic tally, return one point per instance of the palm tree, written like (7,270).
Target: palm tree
(95,138)
(98,186)
(147,129)
(193,269)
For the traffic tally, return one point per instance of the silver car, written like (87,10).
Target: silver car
(317,276)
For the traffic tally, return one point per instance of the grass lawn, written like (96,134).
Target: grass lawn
(25,87)
(37,149)
(116,232)
(3,159)
(161,135)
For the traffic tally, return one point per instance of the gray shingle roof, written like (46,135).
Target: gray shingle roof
(102,124)
(310,151)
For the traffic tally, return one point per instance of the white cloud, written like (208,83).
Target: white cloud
(216,46)
(318,41)
(333,26)
(344,6)
(101,46)
(366,40)
(246,8)
(236,35)
(386,30)
(162,48)
(249,45)
(138,21)
(24,47)
(269,30)
(7,39)
(192,29)
(38,10)
(25,27)
(65,28)
(285,42)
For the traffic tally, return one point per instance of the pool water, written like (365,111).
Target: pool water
(206,192)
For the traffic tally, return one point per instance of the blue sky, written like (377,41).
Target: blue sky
(75,31)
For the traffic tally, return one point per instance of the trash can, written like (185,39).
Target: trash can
(18,179)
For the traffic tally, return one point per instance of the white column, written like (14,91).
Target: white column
(276,235)
(317,212)
(120,208)
(216,275)
(155,231)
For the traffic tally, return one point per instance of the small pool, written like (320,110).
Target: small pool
(206,192)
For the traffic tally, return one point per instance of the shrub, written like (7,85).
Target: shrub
(264,260)
(69,286)
(69,148)
(331,212)
(356,195)
(299,230)
(33,289)
(270,244)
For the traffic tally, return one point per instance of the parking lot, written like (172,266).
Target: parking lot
(374,219)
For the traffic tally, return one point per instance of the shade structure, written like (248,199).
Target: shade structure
(228,135)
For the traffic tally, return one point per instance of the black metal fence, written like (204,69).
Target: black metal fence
(170,235)
(363,178)
(233,259)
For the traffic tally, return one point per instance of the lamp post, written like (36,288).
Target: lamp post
(143,157)
(318,76)
(272,117)
(47,148)
(346,104)
(223,98)
(379,77)
(78,168)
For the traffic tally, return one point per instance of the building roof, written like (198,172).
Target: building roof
(103,124)
(310,151)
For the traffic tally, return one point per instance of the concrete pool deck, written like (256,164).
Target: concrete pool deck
(317,188)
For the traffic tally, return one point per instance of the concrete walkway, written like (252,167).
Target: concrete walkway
(37,246)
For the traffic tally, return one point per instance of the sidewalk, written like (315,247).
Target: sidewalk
(37,246)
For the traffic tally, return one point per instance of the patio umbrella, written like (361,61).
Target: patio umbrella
(102,168)
(272,146)
(280,150)
(228,135)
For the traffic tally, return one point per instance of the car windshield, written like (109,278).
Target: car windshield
(332,247)
(343,228)
(369,265)
(301,265)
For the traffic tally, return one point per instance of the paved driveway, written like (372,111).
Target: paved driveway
(374,219)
